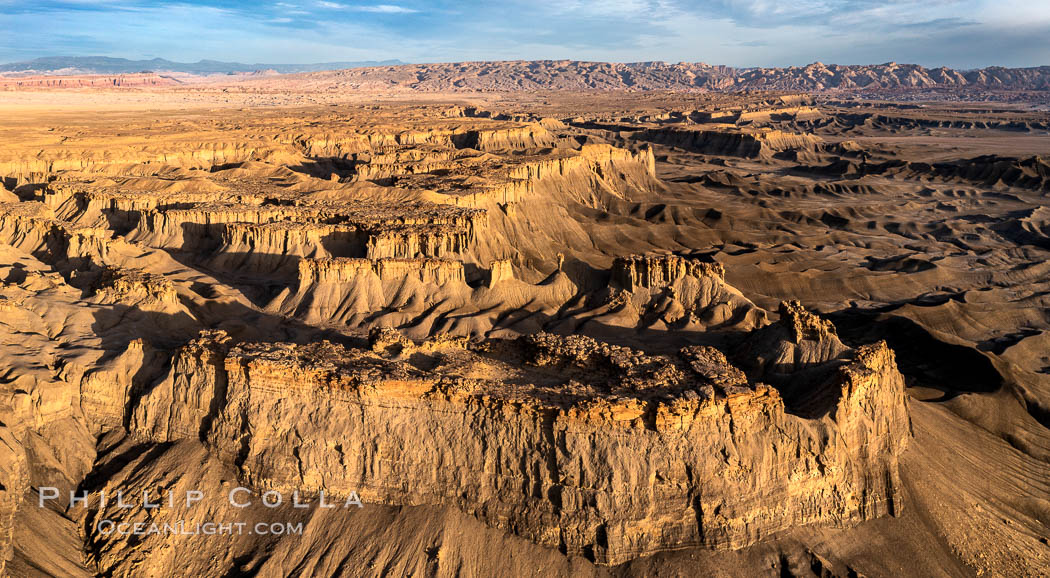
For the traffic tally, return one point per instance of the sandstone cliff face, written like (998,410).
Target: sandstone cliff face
(200,227)
(14,477)
(182,403)
(531,136)
(652,272)
(106,391)
(594,449)
(273,238)
(347,290)
(278,247)
(435,271)
(401,242)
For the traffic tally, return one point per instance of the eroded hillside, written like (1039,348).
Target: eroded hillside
(578,331)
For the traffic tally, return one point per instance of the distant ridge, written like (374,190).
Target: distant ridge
(578,75)
(68,65)
(523,75)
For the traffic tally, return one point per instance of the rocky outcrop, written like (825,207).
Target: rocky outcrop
(107,390)
(673,291)
(32,227)
(182,403)
(14,478)
(277,247)
(731,142)
(572,173)
(799,340)
(272,237)
(595,449)
(530,136)
(804,325)
(409,242)
(500,270)
(129,286)
(655,271)
(94,81)
(385,164)
(346,290)
(28,226)
(122,210)
(435,271)
(797,354)
(200,227)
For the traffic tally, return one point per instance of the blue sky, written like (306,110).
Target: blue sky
(957,33)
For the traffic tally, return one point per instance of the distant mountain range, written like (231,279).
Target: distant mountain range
(105,65)
(576,75)
(522,75)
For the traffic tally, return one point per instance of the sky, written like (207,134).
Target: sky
(957,33)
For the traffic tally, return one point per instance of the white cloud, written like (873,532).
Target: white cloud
(1015,12)
(778,8)
(386,9)
(373,8)
(592,8)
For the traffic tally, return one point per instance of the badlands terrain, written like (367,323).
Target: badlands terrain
(535,332)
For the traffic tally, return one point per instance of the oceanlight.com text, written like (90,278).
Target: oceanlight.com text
(183,528)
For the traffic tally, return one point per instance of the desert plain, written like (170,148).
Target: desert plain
(554,329)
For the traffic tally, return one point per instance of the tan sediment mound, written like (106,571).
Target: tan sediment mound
(139,290)
(7,196)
